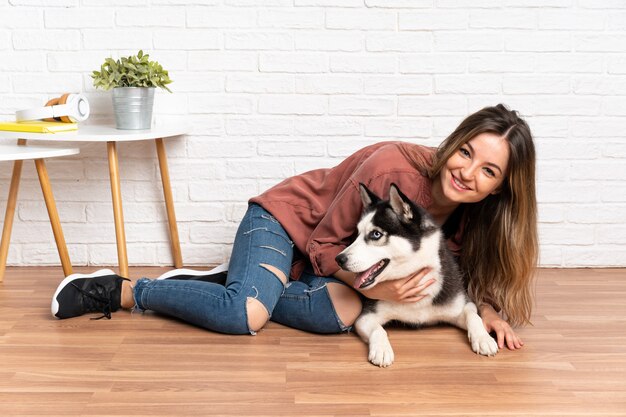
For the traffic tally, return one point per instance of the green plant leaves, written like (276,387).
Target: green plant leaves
(132,71)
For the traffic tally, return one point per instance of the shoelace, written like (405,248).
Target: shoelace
(97,301)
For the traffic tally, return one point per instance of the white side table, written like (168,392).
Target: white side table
(111,135)
(19,153)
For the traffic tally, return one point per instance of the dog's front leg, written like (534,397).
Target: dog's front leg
(482,343)
(371,331)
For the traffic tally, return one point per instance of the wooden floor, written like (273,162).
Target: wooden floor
(573,364)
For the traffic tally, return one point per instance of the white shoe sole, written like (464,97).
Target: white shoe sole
(194,273)
(54,308)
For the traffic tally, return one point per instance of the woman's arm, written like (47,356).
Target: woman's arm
(493,322)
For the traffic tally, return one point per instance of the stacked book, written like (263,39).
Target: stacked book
(38,126)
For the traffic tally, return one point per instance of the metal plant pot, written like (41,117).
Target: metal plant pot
(133,107)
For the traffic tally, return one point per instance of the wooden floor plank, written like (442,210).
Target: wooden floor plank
(144,364)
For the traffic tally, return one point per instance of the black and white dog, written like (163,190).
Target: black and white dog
(396,238)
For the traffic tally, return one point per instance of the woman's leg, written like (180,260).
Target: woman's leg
(258,270)
(318,304)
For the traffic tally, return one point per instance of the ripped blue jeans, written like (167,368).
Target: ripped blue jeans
(260,241)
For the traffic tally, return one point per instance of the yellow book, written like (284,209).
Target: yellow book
(38,126)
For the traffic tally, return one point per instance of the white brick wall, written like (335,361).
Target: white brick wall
(272,88)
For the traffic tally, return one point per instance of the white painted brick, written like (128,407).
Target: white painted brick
(46,254)
(434,20)
(213,234)
(222,61)
(199,255)
(420,4)
(259,41)
(248,3)
(503,19)
(47,3)
(324,126)
(499,63)
(133,212)
(588,84)
(291,19)
(559,192)
(598,170)
(552,171)
(199,81)
(550,256)
(598,214)
(134,39)
(328,84)
(599,255)
(432,106)
(361,106)
(530,84)
(362,19)
(260,83)
(208,17)
(291,148)
(342,148)
(329,3)
(195,39)
(550,213)
(5,84)
(467,41)
(5,39)
(536,3)
(616,21)
(596,128)
(263,169)
(36,211)
(150,17)
(469,84)
(107,3)
(363,64)
(222,191)
(433,64)
(607,4)
(568,63)
(544,41)
(293,62)
(611,235)
(220,103)
(566,234)
(566,105)
(292,104)
(616,149)
(47,83)
(259,126)
(613,106)
(329,41)
(20,18)
(214,148)
(52,40)
(600,43)
(388,85)
(617,64)
(21,61)
(398,128)
(399,42)
(455,4)
(570,20)
(78,18)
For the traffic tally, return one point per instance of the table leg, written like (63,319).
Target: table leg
(116,193)
(169,204)
(8,216)
(54,216)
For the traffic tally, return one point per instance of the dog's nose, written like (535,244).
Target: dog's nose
(341,259)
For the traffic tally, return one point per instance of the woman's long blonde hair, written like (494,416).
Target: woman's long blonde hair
(499,247)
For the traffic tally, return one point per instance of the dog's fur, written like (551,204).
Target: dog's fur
(396,238)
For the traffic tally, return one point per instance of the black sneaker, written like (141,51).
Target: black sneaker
(78,294)
(217,275)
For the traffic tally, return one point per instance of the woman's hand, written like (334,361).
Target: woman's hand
(494,323)
(405,290)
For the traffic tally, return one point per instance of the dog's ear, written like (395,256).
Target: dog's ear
(400,203)
(367,197)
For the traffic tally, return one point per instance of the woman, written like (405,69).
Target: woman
(479,185)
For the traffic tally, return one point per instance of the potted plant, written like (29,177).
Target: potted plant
(133,80)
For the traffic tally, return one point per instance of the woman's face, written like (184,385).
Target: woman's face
(476,170)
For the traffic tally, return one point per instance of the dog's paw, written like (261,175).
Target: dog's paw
(484,344)
(381,354)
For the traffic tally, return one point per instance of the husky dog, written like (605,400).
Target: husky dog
(396,238)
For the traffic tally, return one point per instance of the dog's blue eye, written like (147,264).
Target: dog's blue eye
(375,235)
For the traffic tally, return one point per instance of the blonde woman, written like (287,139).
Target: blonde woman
(479,185)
